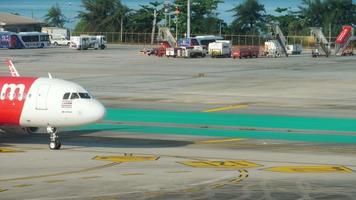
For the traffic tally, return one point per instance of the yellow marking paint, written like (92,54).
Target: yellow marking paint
(310,169)
(193,189)
(106,198)
(3,190)
(89,177)
(54,181)
(178,172)
(7,150)
(22,185)
(230,107)
(119,159)
(243,175)
(60,173)
(220,141)
(131,174)
(235,164)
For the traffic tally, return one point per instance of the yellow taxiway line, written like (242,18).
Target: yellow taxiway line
(121,159)
(219,141)
(311,169)
(232,164)
(3,190)
(7,150)
(60,173)
(230,107)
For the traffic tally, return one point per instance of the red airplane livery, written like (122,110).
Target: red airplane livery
(30,103)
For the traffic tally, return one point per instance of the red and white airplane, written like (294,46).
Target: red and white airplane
(30,103)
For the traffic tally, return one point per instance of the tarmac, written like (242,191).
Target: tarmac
(203,128)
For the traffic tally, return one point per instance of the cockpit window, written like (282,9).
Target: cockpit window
(84,96)
(66,95)
(74,96)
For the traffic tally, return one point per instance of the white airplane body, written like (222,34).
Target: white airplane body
(30,103)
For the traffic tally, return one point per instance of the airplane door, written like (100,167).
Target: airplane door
(42,95)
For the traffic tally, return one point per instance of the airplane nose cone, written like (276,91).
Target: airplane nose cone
(91,111)
(99,111)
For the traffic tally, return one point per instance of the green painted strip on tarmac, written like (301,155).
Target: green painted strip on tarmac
(290,136)
(227,119)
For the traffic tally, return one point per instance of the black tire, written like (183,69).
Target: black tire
(55,44)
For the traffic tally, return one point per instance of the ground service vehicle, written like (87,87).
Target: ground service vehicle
(205,40)
(59,40)
(79,42)
(97,41)
(246,52)
(220,48)
(272,49)
(294,49)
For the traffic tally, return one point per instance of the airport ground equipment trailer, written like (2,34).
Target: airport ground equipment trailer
(246,52)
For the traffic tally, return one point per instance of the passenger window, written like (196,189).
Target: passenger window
(74,96)
(66,95)
(84,95)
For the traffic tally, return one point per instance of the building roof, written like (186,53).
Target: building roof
(11,19)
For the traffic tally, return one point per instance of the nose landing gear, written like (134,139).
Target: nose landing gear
(54,142)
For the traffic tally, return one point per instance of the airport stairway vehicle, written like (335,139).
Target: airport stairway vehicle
(280,37)
(165,35)
(343,40)
(321,43)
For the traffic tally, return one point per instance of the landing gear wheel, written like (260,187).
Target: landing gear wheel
(54,143)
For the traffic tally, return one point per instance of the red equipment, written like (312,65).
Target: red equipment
(246,52)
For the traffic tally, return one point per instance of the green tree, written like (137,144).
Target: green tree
(203,16)
(289,21)
(55,17)
(323,13)
(102,15)
(249,17)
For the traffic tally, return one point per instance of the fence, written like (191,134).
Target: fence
(237,40)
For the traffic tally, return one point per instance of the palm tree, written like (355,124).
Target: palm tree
(249,16)
(103,15)
(55,17)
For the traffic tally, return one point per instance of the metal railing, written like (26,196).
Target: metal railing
(236,40)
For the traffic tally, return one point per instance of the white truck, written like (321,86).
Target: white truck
(79,42)
(58,39)
(220,48)
(272,49)
(97,41)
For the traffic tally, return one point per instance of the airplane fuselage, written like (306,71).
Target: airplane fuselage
(46,102)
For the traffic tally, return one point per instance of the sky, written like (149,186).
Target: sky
(38,8)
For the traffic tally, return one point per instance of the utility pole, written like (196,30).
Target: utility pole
(121,27)
(188,19)
(177,21)
(166,5)
(220,28)
(154,25)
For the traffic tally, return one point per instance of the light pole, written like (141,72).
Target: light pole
(188,19)
(177,17)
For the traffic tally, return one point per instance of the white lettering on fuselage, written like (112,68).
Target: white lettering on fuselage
(16,90)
